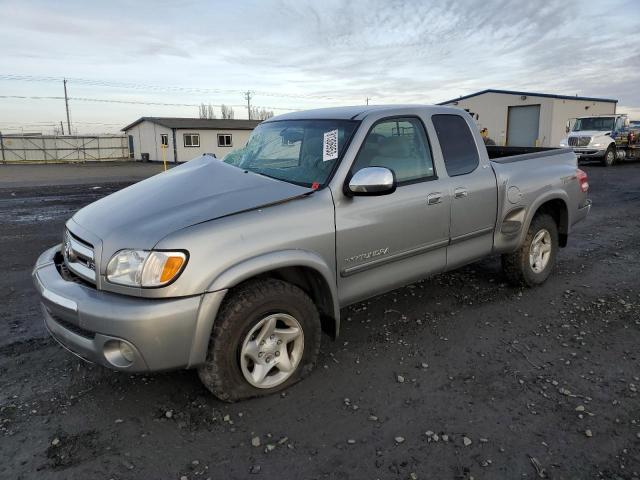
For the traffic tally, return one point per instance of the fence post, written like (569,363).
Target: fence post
(2,148)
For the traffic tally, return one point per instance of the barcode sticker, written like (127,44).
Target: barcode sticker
(330,146)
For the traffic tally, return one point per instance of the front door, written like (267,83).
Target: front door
(383,242)
(131,152)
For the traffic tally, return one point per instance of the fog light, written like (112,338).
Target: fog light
(127,352)
(118,353)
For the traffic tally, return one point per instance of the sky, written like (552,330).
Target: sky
(124,60)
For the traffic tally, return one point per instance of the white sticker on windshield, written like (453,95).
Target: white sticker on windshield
(330,146)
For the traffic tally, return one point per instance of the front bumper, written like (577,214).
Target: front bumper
(588,152)
(162,334)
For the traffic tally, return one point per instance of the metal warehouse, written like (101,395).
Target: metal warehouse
(185,138)
(528,119)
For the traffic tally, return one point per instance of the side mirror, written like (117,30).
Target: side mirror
(567,127)
(372,181)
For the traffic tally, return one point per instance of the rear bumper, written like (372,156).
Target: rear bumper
(582,212)
(158,334)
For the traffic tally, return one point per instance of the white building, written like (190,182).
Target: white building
(528,119)
(185,138)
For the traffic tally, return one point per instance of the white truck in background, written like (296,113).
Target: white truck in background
(607,137)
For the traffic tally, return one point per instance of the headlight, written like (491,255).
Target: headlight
(597,144)
(141,268)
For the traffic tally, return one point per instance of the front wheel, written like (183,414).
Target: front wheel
(609,157)
(532,263)
(265,338)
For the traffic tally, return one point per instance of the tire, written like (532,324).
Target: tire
(609,158)
(243,318)
(518,267)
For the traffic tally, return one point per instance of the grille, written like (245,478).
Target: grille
(79,257)
(72,327)
(69,276)
(579,141)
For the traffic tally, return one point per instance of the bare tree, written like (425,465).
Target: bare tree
(260,113)
(206,111)
(227,112)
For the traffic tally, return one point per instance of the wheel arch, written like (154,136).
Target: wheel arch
(556,207)
(302,268)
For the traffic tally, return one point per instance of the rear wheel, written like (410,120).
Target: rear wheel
(532,263)
(609,157)
(265,338)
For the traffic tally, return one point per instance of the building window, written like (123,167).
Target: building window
(224,140)
(164,139)
(191,140)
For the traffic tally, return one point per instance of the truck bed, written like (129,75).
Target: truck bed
(515,154)
(531,174)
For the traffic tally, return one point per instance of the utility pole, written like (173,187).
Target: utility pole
(66,102)
(247,95)
(367,100)
(62,127)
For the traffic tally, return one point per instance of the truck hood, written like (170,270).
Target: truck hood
(203,189)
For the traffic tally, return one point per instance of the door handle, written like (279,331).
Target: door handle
(460,193)
(434,198)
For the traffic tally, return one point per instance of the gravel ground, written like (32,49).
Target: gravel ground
(32,175)
(457,377)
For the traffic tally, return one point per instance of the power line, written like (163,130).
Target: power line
(131,102)
(54,122)
(165,88)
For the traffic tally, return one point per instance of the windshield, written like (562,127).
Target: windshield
(303,152)
(593,123)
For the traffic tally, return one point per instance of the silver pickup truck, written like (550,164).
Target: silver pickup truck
(235,267)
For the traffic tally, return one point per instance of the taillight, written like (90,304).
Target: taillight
(583,180)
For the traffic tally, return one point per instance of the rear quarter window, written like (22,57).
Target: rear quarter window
(456,142)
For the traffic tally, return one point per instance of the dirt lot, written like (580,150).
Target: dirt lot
(75,173)
(460,376)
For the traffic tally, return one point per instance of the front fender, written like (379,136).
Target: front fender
(281,259)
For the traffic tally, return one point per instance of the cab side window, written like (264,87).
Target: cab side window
(456,142)
(401,145)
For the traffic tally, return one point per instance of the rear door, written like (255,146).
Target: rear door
(383,242)
(472,187)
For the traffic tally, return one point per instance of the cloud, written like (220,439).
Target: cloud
(314,54)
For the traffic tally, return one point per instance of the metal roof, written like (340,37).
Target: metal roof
(197,123)
(530,94)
